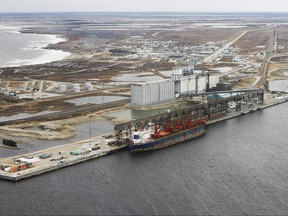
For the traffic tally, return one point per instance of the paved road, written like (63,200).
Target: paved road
(210,58)
(270,53)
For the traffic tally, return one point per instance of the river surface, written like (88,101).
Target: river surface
(29,145)
(238,167)
(278,85)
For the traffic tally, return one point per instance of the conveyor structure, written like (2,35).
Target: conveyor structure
(211,110)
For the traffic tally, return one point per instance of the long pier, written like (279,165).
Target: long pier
(56,161)
(60,157)
(199,110)
(231,92)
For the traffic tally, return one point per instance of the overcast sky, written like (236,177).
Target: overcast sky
(143,5)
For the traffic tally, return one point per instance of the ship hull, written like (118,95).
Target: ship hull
(10,143)
(168,140)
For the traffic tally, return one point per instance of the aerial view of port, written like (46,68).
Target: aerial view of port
(143,107)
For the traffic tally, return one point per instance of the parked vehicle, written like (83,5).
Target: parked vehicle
(43,156)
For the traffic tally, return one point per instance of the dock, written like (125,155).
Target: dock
(61,157)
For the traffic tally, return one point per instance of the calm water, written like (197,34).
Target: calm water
(278,85)
(130,114)
(98,127)
(23,115)
(95,100)
(24,49)
(238,167)
(28,145)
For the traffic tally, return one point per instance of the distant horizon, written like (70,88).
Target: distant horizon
(163,12)
(180,6)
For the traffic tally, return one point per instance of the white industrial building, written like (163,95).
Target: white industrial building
(186,82)
(150,93)
(183,81)
(213,80)
(185,85)
(201,84)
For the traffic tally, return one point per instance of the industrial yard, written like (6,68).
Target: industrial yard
(143,67)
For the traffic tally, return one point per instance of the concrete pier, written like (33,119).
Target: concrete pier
(61,157)
(55,162)
(257,108)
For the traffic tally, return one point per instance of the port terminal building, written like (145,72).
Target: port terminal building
(183,81)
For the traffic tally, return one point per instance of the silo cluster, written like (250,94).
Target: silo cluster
(182,82)
(150,93)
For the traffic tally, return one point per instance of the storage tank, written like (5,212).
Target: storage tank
(191,85)
(166,90)
(201,84)
(213,80)
(90,88)
(76,85)
(76,89)
(63,87)
(187,84)
(87,85)
(2,90)
(184,85)
(149,93)
(6,92)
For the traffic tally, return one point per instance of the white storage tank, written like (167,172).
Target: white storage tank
(184,85)
(63,87)
(166,90)
(213,80)
(187,84)
(192,84)
(87,85)
(76,89)
(6,92)
(2,90)
(201,84)
(76,85)
(90,88)
(155,92)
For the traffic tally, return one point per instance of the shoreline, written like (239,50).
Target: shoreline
(100,141)
(41,45)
